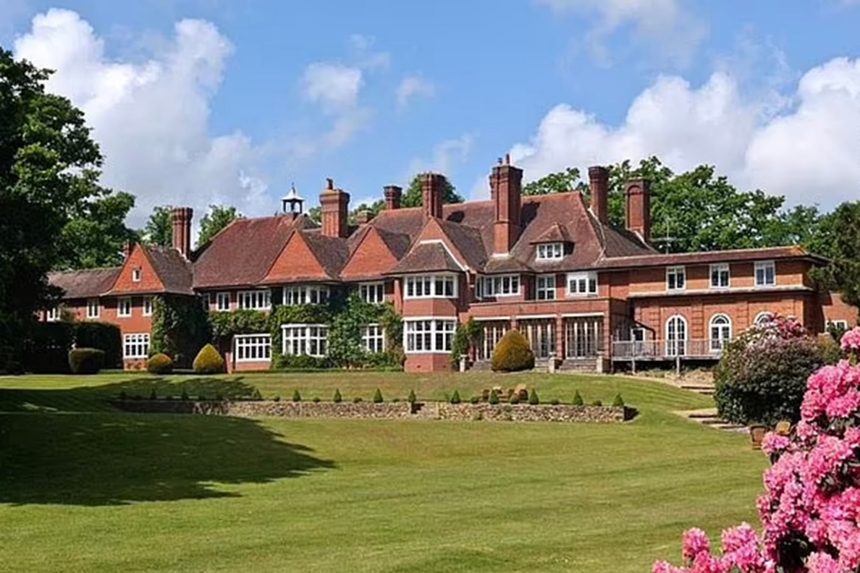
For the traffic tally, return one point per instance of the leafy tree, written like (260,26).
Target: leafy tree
(218,217)
(159,228)
(838,238)
(559,182)
(49,167)
(414,198)
(95,236)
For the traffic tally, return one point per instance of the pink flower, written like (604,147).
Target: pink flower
(851,340)
(774,443)
(822,563)
(695,542)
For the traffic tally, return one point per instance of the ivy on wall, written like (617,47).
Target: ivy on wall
(180,327)
(465,336)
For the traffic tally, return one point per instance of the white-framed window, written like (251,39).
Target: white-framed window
(545,287)
(222,301)
(252,347)
(499,285)
(549,252)
(53,314)
(720,275)
(136,345)
(429,335)
(93,308)
(305,339)
(581,284)
(136,273)
(373,338)
(763,318)
(147,306)
(765,273)
(676,336)
(836,324)
(676,278)
(305,294)
(123,307)
(431,286)
(373,293)
(721,332)
(260,299)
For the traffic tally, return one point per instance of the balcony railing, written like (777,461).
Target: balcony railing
(667,349)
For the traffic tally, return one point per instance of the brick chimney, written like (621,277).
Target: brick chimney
(393,194)
(334,204)
(637,197)
(598,181)
(431,194)
(506,190)
(181,219)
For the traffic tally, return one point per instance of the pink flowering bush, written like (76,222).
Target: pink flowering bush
(851,340)
(810,512)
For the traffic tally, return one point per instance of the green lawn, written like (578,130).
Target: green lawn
(85,488)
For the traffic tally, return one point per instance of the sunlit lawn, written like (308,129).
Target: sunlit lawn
(85,488)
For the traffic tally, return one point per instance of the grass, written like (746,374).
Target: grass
(85,488)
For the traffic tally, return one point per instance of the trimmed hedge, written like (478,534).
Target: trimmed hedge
(513,353)
(209,361)
(86,360)
(47,349)
(159,364)
(101,335)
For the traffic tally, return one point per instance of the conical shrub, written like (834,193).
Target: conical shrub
(208,361)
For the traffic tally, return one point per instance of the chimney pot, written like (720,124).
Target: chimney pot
(431,194)
(598,180)
(334,204)
(181,220)
(393,194)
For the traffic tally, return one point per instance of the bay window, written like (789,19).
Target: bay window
(260,299)
(499,285)
(429,335)
(305,294)
(581,284)
(305,339)
(252,347)
(431,286)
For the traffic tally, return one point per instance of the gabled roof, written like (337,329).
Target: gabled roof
(172,268)
(554,234)
(331,252)
(427,257)
(89,283)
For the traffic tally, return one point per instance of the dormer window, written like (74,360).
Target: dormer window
(550,252)
(135,274)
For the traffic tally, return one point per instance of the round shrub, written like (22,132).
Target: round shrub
(159,364)
(475,400)
(86,360)
(356,400)
(554,402)
(208,361)
(597,403)
(577,399)
(513,353)
(377,397)
(514,399)
(761,376)
(455,397)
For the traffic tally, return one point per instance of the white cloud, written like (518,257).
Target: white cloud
(662,23)
(445,158)
(151,118)
(807,152)
(334,86)
(411,87)
(361,48)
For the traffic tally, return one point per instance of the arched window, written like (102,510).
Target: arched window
(721,332)
(676,336)
(763,318)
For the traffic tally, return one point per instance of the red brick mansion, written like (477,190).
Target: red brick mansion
(585,294)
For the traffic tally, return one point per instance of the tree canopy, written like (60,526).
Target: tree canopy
(414,198)
(97,233)
(159,229)
(218,217)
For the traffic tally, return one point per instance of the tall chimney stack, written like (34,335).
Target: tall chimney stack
(181,221)
(598,181)
(637,197)
(506,185)
(393,194)
(334,205)
(431,194)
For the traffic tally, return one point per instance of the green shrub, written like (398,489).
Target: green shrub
(533,398)
(123,395)
(316,399)
(761,376)
(577,399)
(513,353)
(255,395)
(618,402)
(101,335)
(46,350)
(356,400)
(514,399)
(494,397)
(208,361)
(296,396)
(276,399)
(455,397)
(301,362)
(337,398)
(159,364)
(554,402)
(475,399)
(86,360)
(411,398)
(597,403)
(377,397)
(831,353)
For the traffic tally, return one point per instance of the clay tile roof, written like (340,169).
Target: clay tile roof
(88,283)
(172,268)
(332,252)
(737,255)
(554,234)
(397,243)
(468,241)
(242,253)
(426,257)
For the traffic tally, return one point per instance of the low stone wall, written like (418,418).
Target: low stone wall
(387,410)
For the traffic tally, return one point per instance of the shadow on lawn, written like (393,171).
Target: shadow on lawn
(82,457)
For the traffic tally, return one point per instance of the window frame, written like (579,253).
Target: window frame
(297,295)
(136,274)
(222,297)
(98,310)
(253,294)
(147,306)
(53,314)
(436,327)
(136,340)
(429,286)
(259,343)
(677,346)
(120,303)
(549,252)
(719,268)
(320,337)
(373,337)
(551,289)
(590,278)
(496,283)
(721,340)
(676,272)
(377,289)
(764,266)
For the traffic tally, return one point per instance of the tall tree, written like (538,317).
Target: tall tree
(49,167)
(218,217)
(414,198)
(560,182)
(838,238)
(159,229)
(96,235)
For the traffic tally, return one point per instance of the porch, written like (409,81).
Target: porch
(667,350)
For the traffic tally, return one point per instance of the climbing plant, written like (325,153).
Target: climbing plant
(180,327)
(465,336)
(228,324)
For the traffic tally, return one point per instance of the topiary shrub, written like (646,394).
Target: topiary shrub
(316,400)
(618,402)
(577,399)
(411,398)
(513,353)
(455,397)
(761,376)
(337,398)
(276,399)
(101,335)
(554,402)
(475,400)
(159,364)
(514,399)
(297,397)
(494,397)
(357,400)
(377,397)
(208,361)
(86,360)
(597,403)
(533,398)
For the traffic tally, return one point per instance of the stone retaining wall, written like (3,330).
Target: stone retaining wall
(528,413)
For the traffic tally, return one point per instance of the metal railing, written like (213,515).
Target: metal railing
(667,349)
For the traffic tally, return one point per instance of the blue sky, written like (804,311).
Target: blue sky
(207,101)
